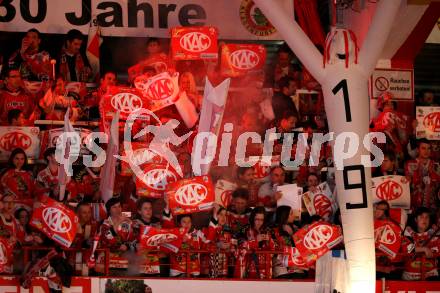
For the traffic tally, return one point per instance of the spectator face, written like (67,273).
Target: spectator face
(60,87)
(19,161)
(221,217)
(422,222)
(292,88)
(20,121)
(23,217)
(8,204)
(312,181)
(291,217)
(108,80)
(258,221)
(424,150)
(85,214)
(277,176)
(146,211)
(379,211)
(185,83)
(153,48)
(116,210)
(33,39)
(247,176)
(186,223)
(240,204)
(13,80)
(283,59)
(74,46)
(288,124)
(387,164)
(185,160)
(428,98)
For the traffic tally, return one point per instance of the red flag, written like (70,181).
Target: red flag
(165,239)
(387,236)
(108,171)
(65,164)
(55,220)
(191,195)
(94,41)
(315,240)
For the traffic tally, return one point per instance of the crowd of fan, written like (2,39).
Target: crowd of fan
(252,221)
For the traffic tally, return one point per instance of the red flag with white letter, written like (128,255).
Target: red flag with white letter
(192,195)
(315,240)
(55,220)
(387,236)
(194,43)
(238,59)
(169,240)
(94,41)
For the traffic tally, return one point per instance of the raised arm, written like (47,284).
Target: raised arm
(295,37)
(377,35)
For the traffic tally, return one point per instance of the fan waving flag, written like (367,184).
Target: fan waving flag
(94,41)
(65,167)
(108,173)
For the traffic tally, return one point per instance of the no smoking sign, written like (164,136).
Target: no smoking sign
(381,84)
(399,82)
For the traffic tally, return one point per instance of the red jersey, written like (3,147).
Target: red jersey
(424,181)
(257,264)
(192,241)
(18,182)
(47,181)
(15,100)
(414,265)
(113,237)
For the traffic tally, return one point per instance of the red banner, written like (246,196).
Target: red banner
(192,195)
(125,100)
(155,180)
(315,240)
(387,237)
(140,157)
(159,62)
(294,259)
(160,90)
(194,43)
(238,59)
(169,240)
(55,220)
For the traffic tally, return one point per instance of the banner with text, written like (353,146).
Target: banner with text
(140,18)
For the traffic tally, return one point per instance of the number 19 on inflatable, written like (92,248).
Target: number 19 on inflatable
(343,73)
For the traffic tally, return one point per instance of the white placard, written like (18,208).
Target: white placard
(25,138)
(291,196)
(428,123)
(392,188)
